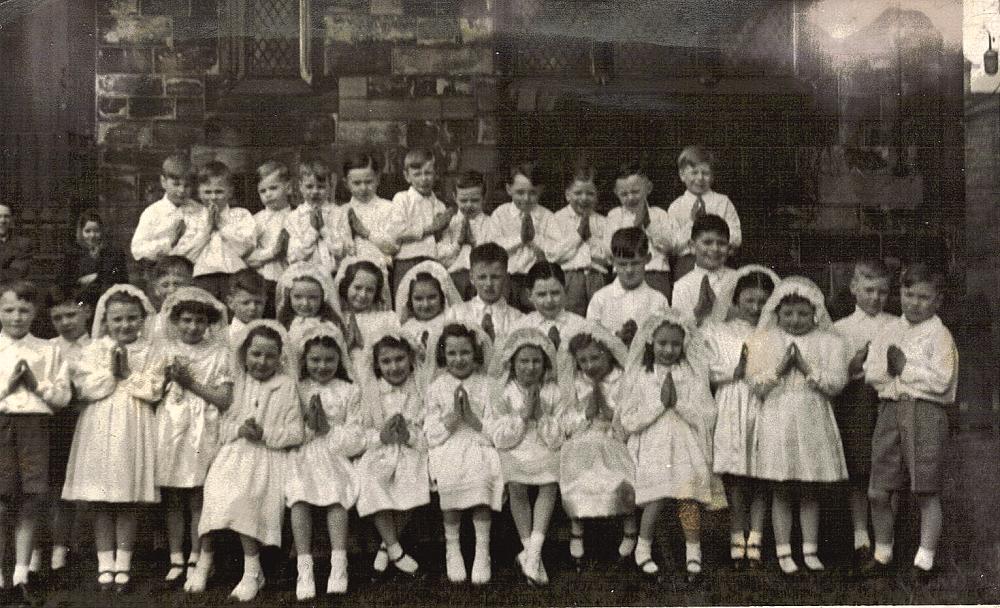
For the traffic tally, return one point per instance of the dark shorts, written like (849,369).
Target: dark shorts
(24,454)
(856,410)
(62,427)
(908,446)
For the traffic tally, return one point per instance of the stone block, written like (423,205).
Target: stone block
(204,9)
(423,133)
(138,30)
(132,157)
(159,108)
(375,132)
(112,107)
(189,108)
(174,8)
(129,84)
(199,56)
(486,95)
(239,160)
(461,60)
(459,132)
(352,59)
(124,60)
(354,28)
(475,29)
(390,109)
(352,87)
(393,87)
(184,87)
(109,8)
(480,158)
(320,129)
(177,135)
(124,134)
(386,7)
(487,130)
(458,107)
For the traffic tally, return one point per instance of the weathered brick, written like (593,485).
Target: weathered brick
(480,158)
(129,84)
(204,9)
(459,132)
(486,95)
(386,7)
(391,87)
(112,107)
(354,28)
(319,129)
(188,108)
(239,160)
(194,29)
(174,8)
(347,59)
(177,135)
(139,30)
(188,56)
(390,109)
(423,133)
(487,130)
(132,156)
(352,87)
(184,87)
(107,8)
(371,132)
(124,59)
(458,107)
(475,29)
(125,133)
(151,107)
(462,60)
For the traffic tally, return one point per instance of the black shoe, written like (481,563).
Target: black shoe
(24,595)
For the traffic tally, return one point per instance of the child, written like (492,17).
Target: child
(175,224)
(668,411)
(268,256)
(305,297)
(362,302)
(369,216)
(187,422)
(246,299)
(856,409)
(695,292)
(422,298)
(577,240)
(463,461)
(913,364)
(737,311)
(471,226)
(318,230)
(522,225)
(694,166)
(625,304)
(547,293)
(596,471)
(118,377)
(99,264)
(232,231)
(489,309)
(633,187)
(35,381)
(319,472)
(169,273)
(796,363)
(244,489)
(419,216)
(392,473)
(522,420)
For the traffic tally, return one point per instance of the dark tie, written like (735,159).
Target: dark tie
(424,336)
(120,363)
(699,208)
(356,340)
(584,229)
(668,392)
(488,326)
(527,228)
(466,237)
(601,403)
(554,336)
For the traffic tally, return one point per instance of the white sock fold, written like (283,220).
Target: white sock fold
(810,557)
(105,561)
(20,575)
(861,539)
(304,562)
(123,560)
(251,566)
(923,560)
(692,554)
(176,558)
(59,553)
(35,565)
(737,545)
(883,553)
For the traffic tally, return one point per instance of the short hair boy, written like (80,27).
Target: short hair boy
(369,216)
(169,273)
(695,167)
(274,186)
(913,364)
(469,227)
(547,293)
(232,230)
(628,301)
(695,292)
(318,230)
(246,299)
(175,224)
(489,309)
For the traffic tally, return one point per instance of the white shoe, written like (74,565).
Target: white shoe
(455,564)
(381,559)
(196,581)
(481,568)
(337,583)
(305,586)
(248,587)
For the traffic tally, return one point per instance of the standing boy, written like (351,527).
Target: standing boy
(232,231)
(695,292)
(489,309)
(175,224)
(470,227)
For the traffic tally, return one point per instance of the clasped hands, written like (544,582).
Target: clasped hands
(395,431)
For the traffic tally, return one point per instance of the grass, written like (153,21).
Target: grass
(968,563)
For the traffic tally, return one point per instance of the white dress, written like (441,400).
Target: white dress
(393,477)
(370,324)
(187,427)
(596,471)
(113,455)
(245,487)
(738,406)
(463,461)
(319,472)
(670,456)
(796,437)
(420,331)
(529,449)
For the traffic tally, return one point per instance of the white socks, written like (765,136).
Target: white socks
(35,565)
(305,584)
(923,560)
(809,557)
(176,567)
(407,564)
(692,556)
(252,581)
(381,558)
(737,545)
(197,577)
(105,566)
(883,553)
(337,583)
(785,561)
(454,562)
(20,575)
(481,567)
(754,540)
(861,539)
(644,556)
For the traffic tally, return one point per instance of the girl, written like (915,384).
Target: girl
(318,230)
(392,473)
(99,265)
(596,472)
(187,422)
(244,489)
(424,293)
(668,411)
(319,472)
(795,363)
(368,215)
(737,310)
(463,461)
(547,294)
(305,298)
(522,419)
(118,377)
(362,301)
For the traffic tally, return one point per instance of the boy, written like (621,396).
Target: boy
(271,240)
(489,308)
(627,302)
(577,241)
(633,187)
(232,230)
(34,382)
(70,317)
(169,273)
(694,166)
(175,224)
(419,215)
(246,301)
(913,364)
(695,292)
(470,227)
(317,229)
(547,292)
(368,215)
(521,227)
(856,407)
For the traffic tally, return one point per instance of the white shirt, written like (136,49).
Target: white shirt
(325,247)
(660,233)
(455,258)
(413,214)
(377,217)
(566,248)
(567,323)
(504,316)
(715,204)
(269,224)
(70,351)
(508,220)
(157,225)
(931,370)
(49,367)
(233,238)
(613,306)
(859,328)
(687,288)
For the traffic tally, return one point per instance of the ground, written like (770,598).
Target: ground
(968,562)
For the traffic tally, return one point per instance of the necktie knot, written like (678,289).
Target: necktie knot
(698,209)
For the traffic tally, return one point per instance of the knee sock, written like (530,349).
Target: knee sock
(177,559)
(692,555)
(251,566)
(644,555)
(105,561)
(785,561)
(810,557)
(924,559)
(452,535)
(482,527)
(304,563)
(737,545)
(754,540)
